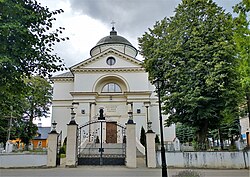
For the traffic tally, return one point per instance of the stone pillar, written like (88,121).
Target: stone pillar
(71,147)
(52,149)
(131,145)
(151,154)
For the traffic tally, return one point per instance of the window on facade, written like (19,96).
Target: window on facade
(111,87)
(110,61)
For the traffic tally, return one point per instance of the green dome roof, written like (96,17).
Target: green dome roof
(113,38)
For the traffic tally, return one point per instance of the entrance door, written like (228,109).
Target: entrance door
(111,132)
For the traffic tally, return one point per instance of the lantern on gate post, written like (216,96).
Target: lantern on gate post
(73,114)
(54,127)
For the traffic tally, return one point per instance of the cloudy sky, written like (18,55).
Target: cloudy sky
(87,21)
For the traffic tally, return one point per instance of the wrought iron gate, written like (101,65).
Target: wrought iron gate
(59,144)
(101,142)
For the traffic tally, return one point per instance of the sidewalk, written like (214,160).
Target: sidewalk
(113,171)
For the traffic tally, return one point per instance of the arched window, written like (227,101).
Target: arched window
(111,87)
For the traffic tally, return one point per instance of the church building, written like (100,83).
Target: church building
(113,80)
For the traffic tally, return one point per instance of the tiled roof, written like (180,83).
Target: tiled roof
(63,75)
(42,133)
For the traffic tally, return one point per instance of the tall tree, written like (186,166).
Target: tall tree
(35,104)
(185,133)
(193,53)
(27,41)
(242,41)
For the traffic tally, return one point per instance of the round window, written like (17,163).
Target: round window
(110,61)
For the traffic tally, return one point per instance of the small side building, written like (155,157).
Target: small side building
(41,140)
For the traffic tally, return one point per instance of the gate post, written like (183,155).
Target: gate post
(151,154)
(71,146)
(52,148)
(130,144)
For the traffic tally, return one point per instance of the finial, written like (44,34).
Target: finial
(113,25)
(113,32)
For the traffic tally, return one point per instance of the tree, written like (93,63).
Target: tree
(26,49)
(185,133)
(33,104)
(194,55)
(25,130)
(143,137)
(37,98)
(242,41)
(36,103)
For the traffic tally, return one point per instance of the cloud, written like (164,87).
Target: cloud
(131,16)
(87,21)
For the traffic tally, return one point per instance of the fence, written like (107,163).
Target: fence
(215,159)
(21,160)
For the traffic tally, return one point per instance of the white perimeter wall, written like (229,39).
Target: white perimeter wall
(206,159)
(22,160)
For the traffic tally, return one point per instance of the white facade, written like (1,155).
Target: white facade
(112,79)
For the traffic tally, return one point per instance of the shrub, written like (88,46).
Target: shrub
(187,173)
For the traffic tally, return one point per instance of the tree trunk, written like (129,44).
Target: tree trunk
(202,136)
(221,140)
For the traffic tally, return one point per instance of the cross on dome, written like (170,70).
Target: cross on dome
(113,25)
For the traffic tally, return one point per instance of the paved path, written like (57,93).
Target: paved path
(113,171)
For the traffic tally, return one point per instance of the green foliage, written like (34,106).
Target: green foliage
(143,137)
(34,103)
(185,133)
(25,130)
(4,126)
(37,98)
(242,41)
(26,49)
(194,53)
(62,150)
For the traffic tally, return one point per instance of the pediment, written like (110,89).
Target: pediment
(99,62)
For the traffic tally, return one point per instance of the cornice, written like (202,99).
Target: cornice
(84,93)
(65,79)
(92,70)
(138,93)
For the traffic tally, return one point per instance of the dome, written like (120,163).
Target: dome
(113,38)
